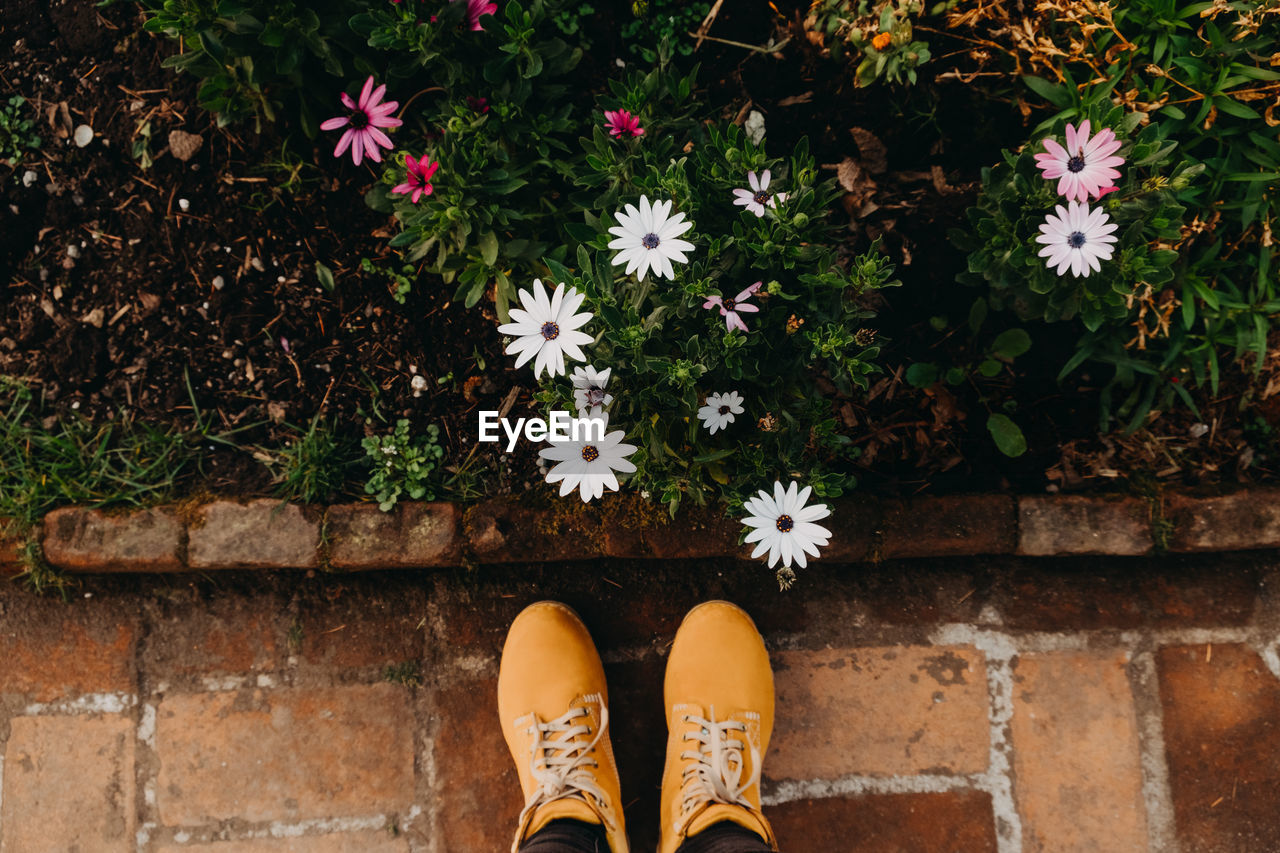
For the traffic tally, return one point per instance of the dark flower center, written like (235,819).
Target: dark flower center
(785,523)
(724,410)
(649,241)
(550,331)
(730,304)
(761,197)
(1076,240)
(595,396)
(1076,163)
(590,454)
(359,119)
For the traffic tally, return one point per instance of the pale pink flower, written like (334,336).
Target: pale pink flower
(622,123)
(362,122)
(730,308)
(1084,167)
(418,178)
(758,197)
(1077,238)
(476,8)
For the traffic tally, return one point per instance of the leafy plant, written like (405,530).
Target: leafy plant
(878,36)
(402,464)
(658,25)
(1196,76)
(17,132)
(668,352)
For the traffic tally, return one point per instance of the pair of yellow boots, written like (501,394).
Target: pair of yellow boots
(719,698)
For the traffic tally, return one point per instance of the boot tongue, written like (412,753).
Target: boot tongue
(717,813)
(568,808)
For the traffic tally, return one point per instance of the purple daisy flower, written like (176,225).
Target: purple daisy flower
(362,123)
(730,308)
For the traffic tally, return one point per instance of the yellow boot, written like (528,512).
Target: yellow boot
(553,704)
(719,697)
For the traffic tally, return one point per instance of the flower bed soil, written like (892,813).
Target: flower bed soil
(111,309)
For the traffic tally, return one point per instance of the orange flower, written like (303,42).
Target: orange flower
(881,40)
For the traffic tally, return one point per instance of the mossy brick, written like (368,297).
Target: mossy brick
(90,540)
(259,534)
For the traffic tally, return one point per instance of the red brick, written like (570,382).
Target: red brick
(919,709)
(260,534)
(342,629)
(287,754)
(503,531)
(11,548)
(89,540)
(192,635)
(1076,761)
(52,655)
(477,802)
(341,842)
(1222,742)
(1243,520)
(855,525)
(958,525)
(69,784)
(1091,594)
(951,822)
(633,528)
(410,536)
(1061,525)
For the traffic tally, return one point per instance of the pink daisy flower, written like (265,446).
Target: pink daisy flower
(363,121)
(729,308)
(476,8)
(418,179)
(622,123)
(1084,167)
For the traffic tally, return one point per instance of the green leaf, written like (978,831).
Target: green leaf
(990,368)
(325,276)
(922,374)
(1052,93)
(488,244)
(1008,437)
(1011,343)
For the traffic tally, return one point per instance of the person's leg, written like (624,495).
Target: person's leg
(567,836)
(553,705)
(719,698)
(725,837)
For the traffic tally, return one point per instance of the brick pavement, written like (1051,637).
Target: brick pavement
(996,704)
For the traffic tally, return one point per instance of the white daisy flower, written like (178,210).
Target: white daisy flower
(647,239)
(547,328)
(588,465)
(588,387)
(784,526)
(758,197)
(1077,237)
(719,411)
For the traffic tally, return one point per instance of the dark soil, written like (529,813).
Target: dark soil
(113,304)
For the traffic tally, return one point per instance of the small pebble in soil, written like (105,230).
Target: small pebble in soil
(73,251)
(418,384)
(29,177)
(280,279)
(226,353)
(257,264)
(219,282)
(83,135)
(184,204)
(1197,430)
(75,404)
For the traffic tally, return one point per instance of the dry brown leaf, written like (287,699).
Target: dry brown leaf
(871,150)
(792,100)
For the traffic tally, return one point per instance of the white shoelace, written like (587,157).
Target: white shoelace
(561,764)
(717,773)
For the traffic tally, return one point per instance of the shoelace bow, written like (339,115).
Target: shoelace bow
(716,774)
(561,764)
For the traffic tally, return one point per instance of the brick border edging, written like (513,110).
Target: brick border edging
(266,534)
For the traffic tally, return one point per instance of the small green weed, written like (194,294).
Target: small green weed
(402,464)
(17,133)
(310,468)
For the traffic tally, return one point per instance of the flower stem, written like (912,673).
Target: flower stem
(426,91)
